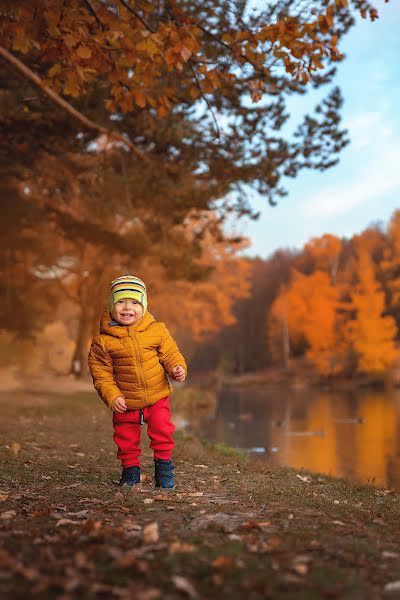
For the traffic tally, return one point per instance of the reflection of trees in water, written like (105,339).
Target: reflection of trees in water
(346,434)
(393,464)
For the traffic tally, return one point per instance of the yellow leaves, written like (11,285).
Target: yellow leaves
(71,86)
(15,448)
(84,52)
(151,533)
(148,46)
(54,70)
(21,43)
(117,47)
(372,333)
(71,40)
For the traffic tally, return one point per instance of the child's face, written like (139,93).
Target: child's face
(127,311)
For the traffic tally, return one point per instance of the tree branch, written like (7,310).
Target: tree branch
(205,98)
(139,18)
(59,101)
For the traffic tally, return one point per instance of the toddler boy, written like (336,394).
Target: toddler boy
(129,362)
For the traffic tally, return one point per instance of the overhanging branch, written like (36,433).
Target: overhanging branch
(66,106)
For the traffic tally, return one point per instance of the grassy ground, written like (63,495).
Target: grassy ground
(232,528)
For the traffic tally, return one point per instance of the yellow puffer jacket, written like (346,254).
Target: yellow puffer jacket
(133,361)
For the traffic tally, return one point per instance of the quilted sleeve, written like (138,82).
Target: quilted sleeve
(169,354)
(101,368)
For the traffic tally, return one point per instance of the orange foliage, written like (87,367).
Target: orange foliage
(391,262)
(309,306)
(202,307)
(129,44)
(371,333)
(325,253)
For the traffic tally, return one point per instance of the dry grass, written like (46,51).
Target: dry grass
(231,528)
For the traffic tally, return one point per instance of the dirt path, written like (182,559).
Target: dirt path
(230,529)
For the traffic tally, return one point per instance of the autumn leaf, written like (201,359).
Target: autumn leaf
(84,52)
(15,448)
(54,70)
(186,53)
(151,533)
(222,562)
(139,97)
(181,547)
(64,521)
(183,584)
(8,515)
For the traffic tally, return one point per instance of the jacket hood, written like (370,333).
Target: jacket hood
(122,330)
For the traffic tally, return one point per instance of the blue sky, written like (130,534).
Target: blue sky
(364,187)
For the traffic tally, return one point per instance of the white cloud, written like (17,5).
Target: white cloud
(363,128)
(375,151)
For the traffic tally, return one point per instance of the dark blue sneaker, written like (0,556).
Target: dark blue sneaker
(164,473)
(130,476)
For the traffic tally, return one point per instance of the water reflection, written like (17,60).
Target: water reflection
(346,434)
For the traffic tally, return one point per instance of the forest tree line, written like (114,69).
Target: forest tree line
(335,302)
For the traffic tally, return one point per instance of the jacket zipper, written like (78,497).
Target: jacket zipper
(142,378)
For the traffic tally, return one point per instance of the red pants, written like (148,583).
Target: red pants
(159,429)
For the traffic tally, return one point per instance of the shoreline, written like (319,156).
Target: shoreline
(232,527)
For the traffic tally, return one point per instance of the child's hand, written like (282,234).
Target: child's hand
(119,405)
(179,373)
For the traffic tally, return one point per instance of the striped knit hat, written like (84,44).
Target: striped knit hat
(128,286)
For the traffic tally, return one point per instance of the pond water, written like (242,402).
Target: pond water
(346,434)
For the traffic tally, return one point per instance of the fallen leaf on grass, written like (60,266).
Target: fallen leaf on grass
(300,564)
(63,522)
(3,496)
(15,448)
(339,523)
(92,500)
(393,586)
(222,562)
(183,584)
(255,524)
(162,498)
(226,522)
(28,573)
(264,546)
(300,569)
(183,547)
(387,554)
(151,533)
(304,478)
(8,515)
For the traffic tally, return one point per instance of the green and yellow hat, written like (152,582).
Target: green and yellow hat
(128,286)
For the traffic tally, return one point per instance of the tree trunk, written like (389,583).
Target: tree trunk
(79,366)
